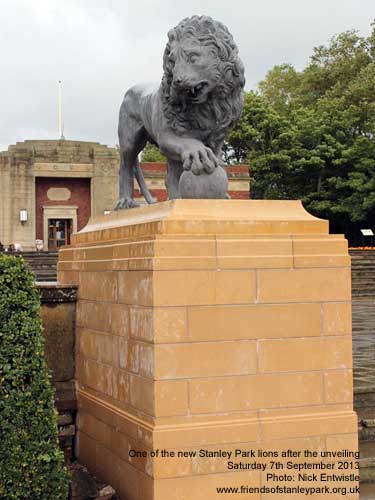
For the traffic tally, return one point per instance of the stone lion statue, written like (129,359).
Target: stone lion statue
(188,116)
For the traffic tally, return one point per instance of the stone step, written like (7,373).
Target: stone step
(363,274)
(367,462)
(366,433)
(44,267)
(367,491)
(43,264)
(42,274)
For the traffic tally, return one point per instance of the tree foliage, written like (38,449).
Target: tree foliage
(31,464)
(152,154)
(310,134)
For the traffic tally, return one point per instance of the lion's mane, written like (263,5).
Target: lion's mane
(224,104)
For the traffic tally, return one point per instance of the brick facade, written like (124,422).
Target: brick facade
(154,173)
(79,196)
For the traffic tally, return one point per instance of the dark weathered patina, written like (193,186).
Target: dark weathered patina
(188,116)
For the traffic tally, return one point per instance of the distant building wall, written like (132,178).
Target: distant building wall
(83,179)
(29,169)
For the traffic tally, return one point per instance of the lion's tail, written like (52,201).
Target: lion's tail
(142,184)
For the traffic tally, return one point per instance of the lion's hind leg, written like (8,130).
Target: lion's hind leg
(126,199)
(142,184)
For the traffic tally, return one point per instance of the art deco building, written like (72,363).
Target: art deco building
(49,189)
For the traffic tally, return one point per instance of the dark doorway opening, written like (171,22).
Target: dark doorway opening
(59,233)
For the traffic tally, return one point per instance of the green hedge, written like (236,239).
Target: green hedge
(31,464)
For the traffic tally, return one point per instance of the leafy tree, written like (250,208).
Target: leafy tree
(281,87)
(152,154)
(31,464)
(310,134)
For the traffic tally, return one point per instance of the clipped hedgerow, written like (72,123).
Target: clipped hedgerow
(31,464)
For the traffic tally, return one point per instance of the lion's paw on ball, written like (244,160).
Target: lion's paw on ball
(213,186)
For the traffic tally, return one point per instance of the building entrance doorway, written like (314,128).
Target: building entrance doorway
(59,232)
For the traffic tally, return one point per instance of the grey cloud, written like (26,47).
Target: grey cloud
(100,48)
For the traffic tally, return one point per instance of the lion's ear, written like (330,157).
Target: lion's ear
(172,35)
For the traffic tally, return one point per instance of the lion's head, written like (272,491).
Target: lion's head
(202,86)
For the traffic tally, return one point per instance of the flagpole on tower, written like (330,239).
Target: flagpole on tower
(61,131)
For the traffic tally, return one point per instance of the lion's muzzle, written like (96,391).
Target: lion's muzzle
(194,91)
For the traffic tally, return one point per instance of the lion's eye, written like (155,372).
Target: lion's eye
(193,57)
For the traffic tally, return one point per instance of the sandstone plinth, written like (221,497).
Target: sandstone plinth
(209,324)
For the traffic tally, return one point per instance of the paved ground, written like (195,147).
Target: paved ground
(364,359)
(367,492)
(364,344)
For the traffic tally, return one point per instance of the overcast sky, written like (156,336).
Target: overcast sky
(99,48)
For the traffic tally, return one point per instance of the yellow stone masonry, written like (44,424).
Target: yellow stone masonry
(215,325)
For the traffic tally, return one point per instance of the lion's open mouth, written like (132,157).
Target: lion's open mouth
(196,93)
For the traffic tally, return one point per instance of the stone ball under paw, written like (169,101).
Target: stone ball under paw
(214,185)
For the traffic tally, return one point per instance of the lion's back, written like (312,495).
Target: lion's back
(137,103)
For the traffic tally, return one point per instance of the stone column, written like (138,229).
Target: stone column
(6,215)
(210,325)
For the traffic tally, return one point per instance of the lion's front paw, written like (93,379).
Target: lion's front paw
(199,160)
(123,203)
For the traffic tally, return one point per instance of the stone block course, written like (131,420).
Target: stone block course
(98,286)
(337,318)
(305,354)
(255,392)
(304,285)
(338,386)
(191,360)
(254,321)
